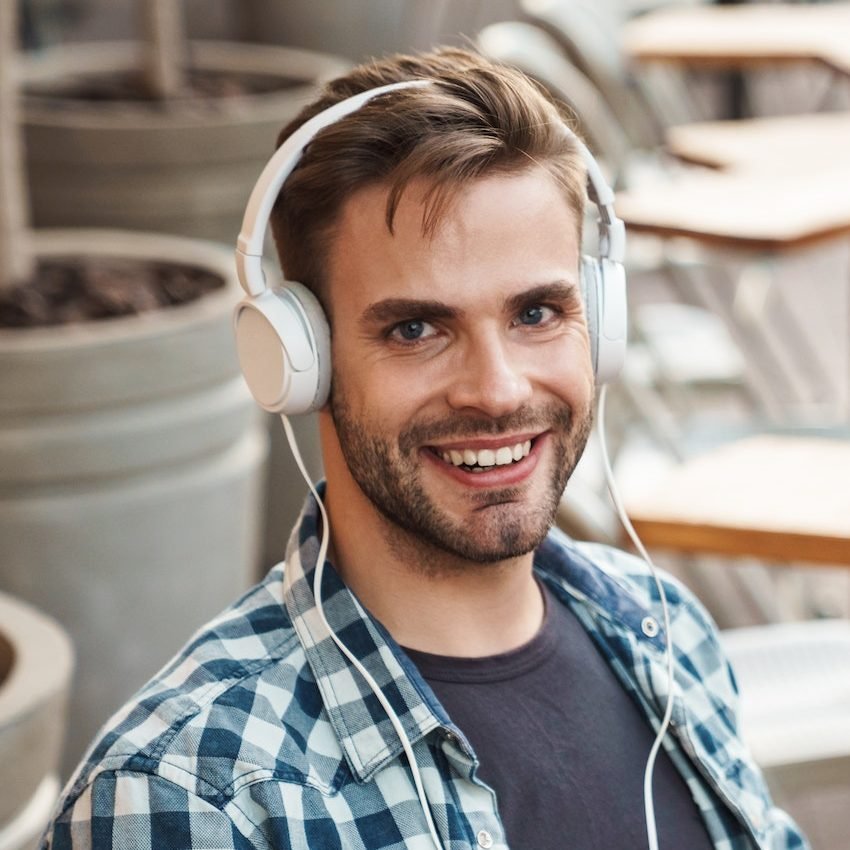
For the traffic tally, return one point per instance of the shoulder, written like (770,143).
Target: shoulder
(618,589)
(238,705)
(622,573)
(705,683)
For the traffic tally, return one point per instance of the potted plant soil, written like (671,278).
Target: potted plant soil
(130,451)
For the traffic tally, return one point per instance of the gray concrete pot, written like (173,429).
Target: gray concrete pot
(130,473)
(180,169)
(370,27)
(35,673)
(176,171)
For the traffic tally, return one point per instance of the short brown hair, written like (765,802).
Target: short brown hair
(478,119)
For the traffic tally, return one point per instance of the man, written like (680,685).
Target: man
(440,228)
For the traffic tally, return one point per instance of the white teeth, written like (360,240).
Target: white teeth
(487,457)
(504,456)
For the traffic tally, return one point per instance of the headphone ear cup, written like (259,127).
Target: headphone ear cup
(613,320)
(591,275)
(317,324)
(603,284)
(283,345)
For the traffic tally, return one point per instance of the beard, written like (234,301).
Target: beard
(506,523)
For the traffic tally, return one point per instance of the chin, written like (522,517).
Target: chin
(493,534)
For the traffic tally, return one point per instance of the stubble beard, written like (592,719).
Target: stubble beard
(507,526)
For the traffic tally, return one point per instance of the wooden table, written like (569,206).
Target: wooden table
(783,498)
(795,142)
(754,210)
(743,36)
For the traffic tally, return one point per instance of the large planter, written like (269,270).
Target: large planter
(180,170)
(130,473)
(35,673)
(183,169)
(370,27)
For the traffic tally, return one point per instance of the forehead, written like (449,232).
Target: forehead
(494,236)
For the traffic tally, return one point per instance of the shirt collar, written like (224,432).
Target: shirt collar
(364,731)
(560,562)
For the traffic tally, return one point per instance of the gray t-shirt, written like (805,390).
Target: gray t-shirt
(563,744)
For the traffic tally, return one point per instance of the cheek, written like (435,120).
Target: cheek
(573,386)
(367,395)
(570,367)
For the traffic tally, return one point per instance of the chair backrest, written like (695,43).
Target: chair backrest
(648,99)
(588,36)
(794,680)
(536,53)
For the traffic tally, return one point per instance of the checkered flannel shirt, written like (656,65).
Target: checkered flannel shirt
(259,733)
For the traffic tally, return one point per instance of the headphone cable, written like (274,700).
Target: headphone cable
(648,800)
(373,685)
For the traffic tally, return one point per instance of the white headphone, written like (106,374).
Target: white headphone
(282,335)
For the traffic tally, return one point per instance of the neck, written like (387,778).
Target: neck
(464,616)
(429,599)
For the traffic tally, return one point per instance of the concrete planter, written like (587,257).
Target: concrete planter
(178,171)
(130,472)
(371,27)
(35,673)
(181,169)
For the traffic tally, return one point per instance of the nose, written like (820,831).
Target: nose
(490,377)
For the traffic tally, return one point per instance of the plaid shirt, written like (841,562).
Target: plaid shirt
(259,734)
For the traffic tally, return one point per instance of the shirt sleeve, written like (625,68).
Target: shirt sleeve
(137,811)
(776,828)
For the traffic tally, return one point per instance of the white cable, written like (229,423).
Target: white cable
(373,685)
(649,803)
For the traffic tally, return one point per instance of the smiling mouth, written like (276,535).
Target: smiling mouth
(484,460)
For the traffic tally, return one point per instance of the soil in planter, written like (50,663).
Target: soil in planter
(66,291)
(205,91)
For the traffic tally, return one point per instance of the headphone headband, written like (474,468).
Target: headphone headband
(282,335)
(249,245)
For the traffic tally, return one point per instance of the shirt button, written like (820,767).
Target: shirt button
(649,626)
(484,839)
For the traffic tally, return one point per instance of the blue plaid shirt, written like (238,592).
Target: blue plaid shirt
(259,734)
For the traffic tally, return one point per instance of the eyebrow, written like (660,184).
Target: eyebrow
(559,290)
(398,309)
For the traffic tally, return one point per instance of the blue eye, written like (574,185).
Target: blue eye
(532,315)
(411,330)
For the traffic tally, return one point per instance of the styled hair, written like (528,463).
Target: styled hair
(478,119)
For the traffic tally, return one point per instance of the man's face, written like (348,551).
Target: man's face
(462,382)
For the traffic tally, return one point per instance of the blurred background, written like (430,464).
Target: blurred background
(140,490)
